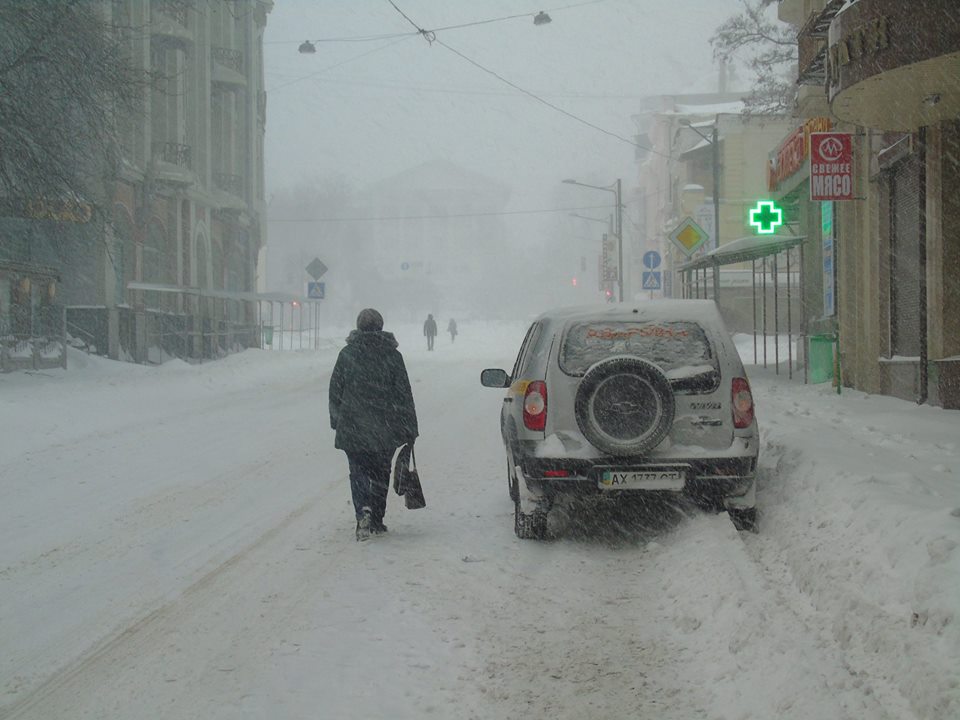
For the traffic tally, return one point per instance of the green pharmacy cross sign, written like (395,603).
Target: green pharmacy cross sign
(766,217)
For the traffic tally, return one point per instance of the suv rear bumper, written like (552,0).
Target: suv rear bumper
(710,479)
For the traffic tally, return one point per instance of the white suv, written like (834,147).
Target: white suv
(623,399)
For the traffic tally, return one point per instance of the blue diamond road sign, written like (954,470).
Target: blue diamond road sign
(316,290)
(651,260)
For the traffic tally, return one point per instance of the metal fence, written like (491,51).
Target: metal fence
(154,336)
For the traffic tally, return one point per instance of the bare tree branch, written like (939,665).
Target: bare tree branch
(769,49)
(65,81)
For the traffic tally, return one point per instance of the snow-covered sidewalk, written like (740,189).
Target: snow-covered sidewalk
(861,506)
(176,542)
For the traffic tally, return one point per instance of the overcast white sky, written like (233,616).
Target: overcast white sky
(405,101)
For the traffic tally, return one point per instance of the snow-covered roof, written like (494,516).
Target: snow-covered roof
(699,146)
(751,247)
(730,108)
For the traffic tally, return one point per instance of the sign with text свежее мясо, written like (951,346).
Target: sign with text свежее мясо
(831,166)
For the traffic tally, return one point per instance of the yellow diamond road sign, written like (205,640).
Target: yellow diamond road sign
(688,236)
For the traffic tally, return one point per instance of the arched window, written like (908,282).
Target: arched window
(155,261)
(235,281)
(120,253)
(217,265)
(203,261)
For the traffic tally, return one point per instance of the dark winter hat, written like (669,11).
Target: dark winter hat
(369,320)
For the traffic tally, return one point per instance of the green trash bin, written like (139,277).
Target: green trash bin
(820,358)
(268,334)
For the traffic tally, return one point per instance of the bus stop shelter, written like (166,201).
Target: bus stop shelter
(701,279)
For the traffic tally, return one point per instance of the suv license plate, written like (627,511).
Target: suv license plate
(642,480)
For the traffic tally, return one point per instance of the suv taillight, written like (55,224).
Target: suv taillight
(535,406)
(742,403)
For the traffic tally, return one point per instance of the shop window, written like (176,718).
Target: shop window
(905,258)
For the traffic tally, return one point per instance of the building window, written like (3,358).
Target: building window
(905,258)
(203,263)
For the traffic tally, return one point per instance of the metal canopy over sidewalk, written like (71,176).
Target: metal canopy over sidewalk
(751,249)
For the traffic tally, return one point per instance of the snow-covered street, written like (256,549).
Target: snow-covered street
(177,542)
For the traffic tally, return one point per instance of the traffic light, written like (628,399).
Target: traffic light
(574,281)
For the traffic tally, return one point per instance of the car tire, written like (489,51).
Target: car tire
(624,406)
(744,519)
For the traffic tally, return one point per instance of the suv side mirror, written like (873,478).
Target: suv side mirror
(494,378)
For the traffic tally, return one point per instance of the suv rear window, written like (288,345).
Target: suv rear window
(680,349)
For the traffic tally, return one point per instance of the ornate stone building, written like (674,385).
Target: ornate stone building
(162,263)
(188,211)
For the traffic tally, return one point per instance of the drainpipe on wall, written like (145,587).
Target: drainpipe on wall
(922,256)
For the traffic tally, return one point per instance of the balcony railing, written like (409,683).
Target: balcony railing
(173,9)
(173,153)
(228,58)
(812,44)
(230,183)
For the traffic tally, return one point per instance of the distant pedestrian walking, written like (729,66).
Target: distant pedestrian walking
(452,329)
(430,330)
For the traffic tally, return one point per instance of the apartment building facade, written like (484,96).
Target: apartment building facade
(188,210)
(885,72)
(162,263)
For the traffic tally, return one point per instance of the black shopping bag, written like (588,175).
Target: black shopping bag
(406,479)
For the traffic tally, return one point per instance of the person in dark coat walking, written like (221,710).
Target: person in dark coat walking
(452,329)
(372,411)
(430,330)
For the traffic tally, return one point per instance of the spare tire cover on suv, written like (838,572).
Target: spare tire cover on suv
(624,405)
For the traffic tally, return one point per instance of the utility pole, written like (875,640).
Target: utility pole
(619,240)
(715,142)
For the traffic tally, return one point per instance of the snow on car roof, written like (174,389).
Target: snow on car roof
(703,312)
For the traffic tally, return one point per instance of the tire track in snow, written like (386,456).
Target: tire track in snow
(139,633)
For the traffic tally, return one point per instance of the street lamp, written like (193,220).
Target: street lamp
(615,189)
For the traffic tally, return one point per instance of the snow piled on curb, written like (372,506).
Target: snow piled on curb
(860,500)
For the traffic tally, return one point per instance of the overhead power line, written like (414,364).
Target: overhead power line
(339,64)
(548,103)
(464,91)
(388,36)
(430,36)
(360,38)
(434,217)
(513,17)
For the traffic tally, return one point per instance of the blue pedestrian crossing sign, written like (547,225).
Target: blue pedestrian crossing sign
(651,280)
(651,259)
(316,290)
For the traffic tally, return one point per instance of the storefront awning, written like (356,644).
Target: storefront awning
(752,247)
